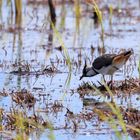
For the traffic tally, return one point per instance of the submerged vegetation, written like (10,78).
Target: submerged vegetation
(43,47)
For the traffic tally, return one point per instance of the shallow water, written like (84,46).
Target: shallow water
(31,46)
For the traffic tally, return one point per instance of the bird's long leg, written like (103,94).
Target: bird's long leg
(112,79)
(104,78)
(111,82)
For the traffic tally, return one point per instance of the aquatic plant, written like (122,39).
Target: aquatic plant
(77,13)
(100,18)
(66,55)
(110,15)
(119,119)
(18,14)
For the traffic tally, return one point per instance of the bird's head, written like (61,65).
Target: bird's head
(84,72)
(88,71)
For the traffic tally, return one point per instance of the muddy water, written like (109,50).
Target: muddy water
(32,46)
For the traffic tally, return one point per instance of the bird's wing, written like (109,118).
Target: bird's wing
(104,60)
(122,57)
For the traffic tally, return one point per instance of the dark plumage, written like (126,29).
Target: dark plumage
(103,61)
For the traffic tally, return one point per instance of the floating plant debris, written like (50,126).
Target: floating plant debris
(23,98)
(126,87)
(26,70)
(3,93)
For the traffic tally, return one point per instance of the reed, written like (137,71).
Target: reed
(66,54)
(63,15)
(116,111)
(77,13)
(52,11)
(110,15)
(113,122)
(24,125)
(99,14)
(100,19)
(18,13)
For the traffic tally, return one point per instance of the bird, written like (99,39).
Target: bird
(106,64)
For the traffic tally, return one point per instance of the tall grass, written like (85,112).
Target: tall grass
(52,11)
(20,125)
(23,125)
(77,13)
(118,121)
(114,123)
(110,15)
(100,18)
(63,15)
(99,14)
(58,36)
(77,10)
(18,9)
(66,54)
(116,111)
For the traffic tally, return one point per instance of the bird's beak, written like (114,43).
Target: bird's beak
(81,77)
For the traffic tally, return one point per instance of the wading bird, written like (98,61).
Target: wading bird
(106,64)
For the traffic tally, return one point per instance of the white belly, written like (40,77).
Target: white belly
(110,69)
(107,70)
